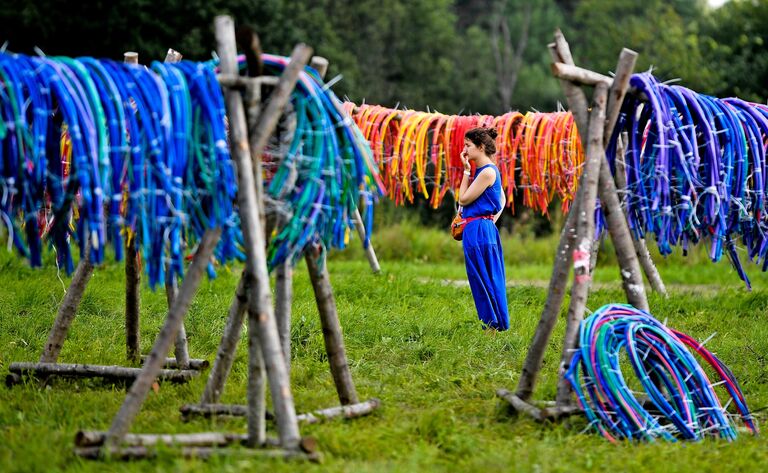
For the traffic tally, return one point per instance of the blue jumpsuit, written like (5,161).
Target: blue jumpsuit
(484,259)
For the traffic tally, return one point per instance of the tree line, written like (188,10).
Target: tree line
(452,56)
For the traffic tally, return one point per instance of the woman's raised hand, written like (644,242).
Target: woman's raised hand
(465,160)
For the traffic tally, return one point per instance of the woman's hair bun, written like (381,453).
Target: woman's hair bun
(492,132)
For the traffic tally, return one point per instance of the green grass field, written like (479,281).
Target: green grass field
(412,341)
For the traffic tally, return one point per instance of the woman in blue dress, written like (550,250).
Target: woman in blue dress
(481,196)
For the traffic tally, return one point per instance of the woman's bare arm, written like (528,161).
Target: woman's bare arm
(470,193)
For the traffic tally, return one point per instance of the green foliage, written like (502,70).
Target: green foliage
(736,38)
(665,34)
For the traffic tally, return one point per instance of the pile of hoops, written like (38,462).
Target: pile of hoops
(695,167)
(418,153)
(681,400)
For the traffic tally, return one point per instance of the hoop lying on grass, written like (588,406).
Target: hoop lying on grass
(681,400)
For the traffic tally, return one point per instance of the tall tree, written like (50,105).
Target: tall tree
(665,34)
(736,36)
(508,56)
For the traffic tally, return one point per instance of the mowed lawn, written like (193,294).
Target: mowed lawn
(412,340)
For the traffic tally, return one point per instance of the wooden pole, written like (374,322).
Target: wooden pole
(130,57)
(649,268)
(140,388)
(181,350)
(629,265)
(560,53)
(320,64)
(578,75)
(172,364)
(585,230)
(326,304)
(231,336)
(93,438)
(373,261)
(350,411)
(615,220)
(259,300)
(132,279)
(229,339)
(132,300)
(215,410)
(68,307)
(260,131)
(115,373)
(139,452)
(329,319)
(283,301)
(540,414)
(257,388)
(563,255)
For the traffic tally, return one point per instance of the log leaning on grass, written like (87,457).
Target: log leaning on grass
(349,411)
(95,438)
(114,373)
(141,452)
(172,364)
(68,307)
(541,414)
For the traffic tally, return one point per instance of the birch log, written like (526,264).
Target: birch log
(616,222)
(350,411)
(68,307)
(259,299)
(113,373)
(132,279)
(649,268)
(283,301)
(585,229)
(329,319)
(181,350)
(563,256)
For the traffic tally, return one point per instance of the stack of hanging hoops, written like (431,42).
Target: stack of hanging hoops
(86,138)
(94,150)
(418,152)
(695,168)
